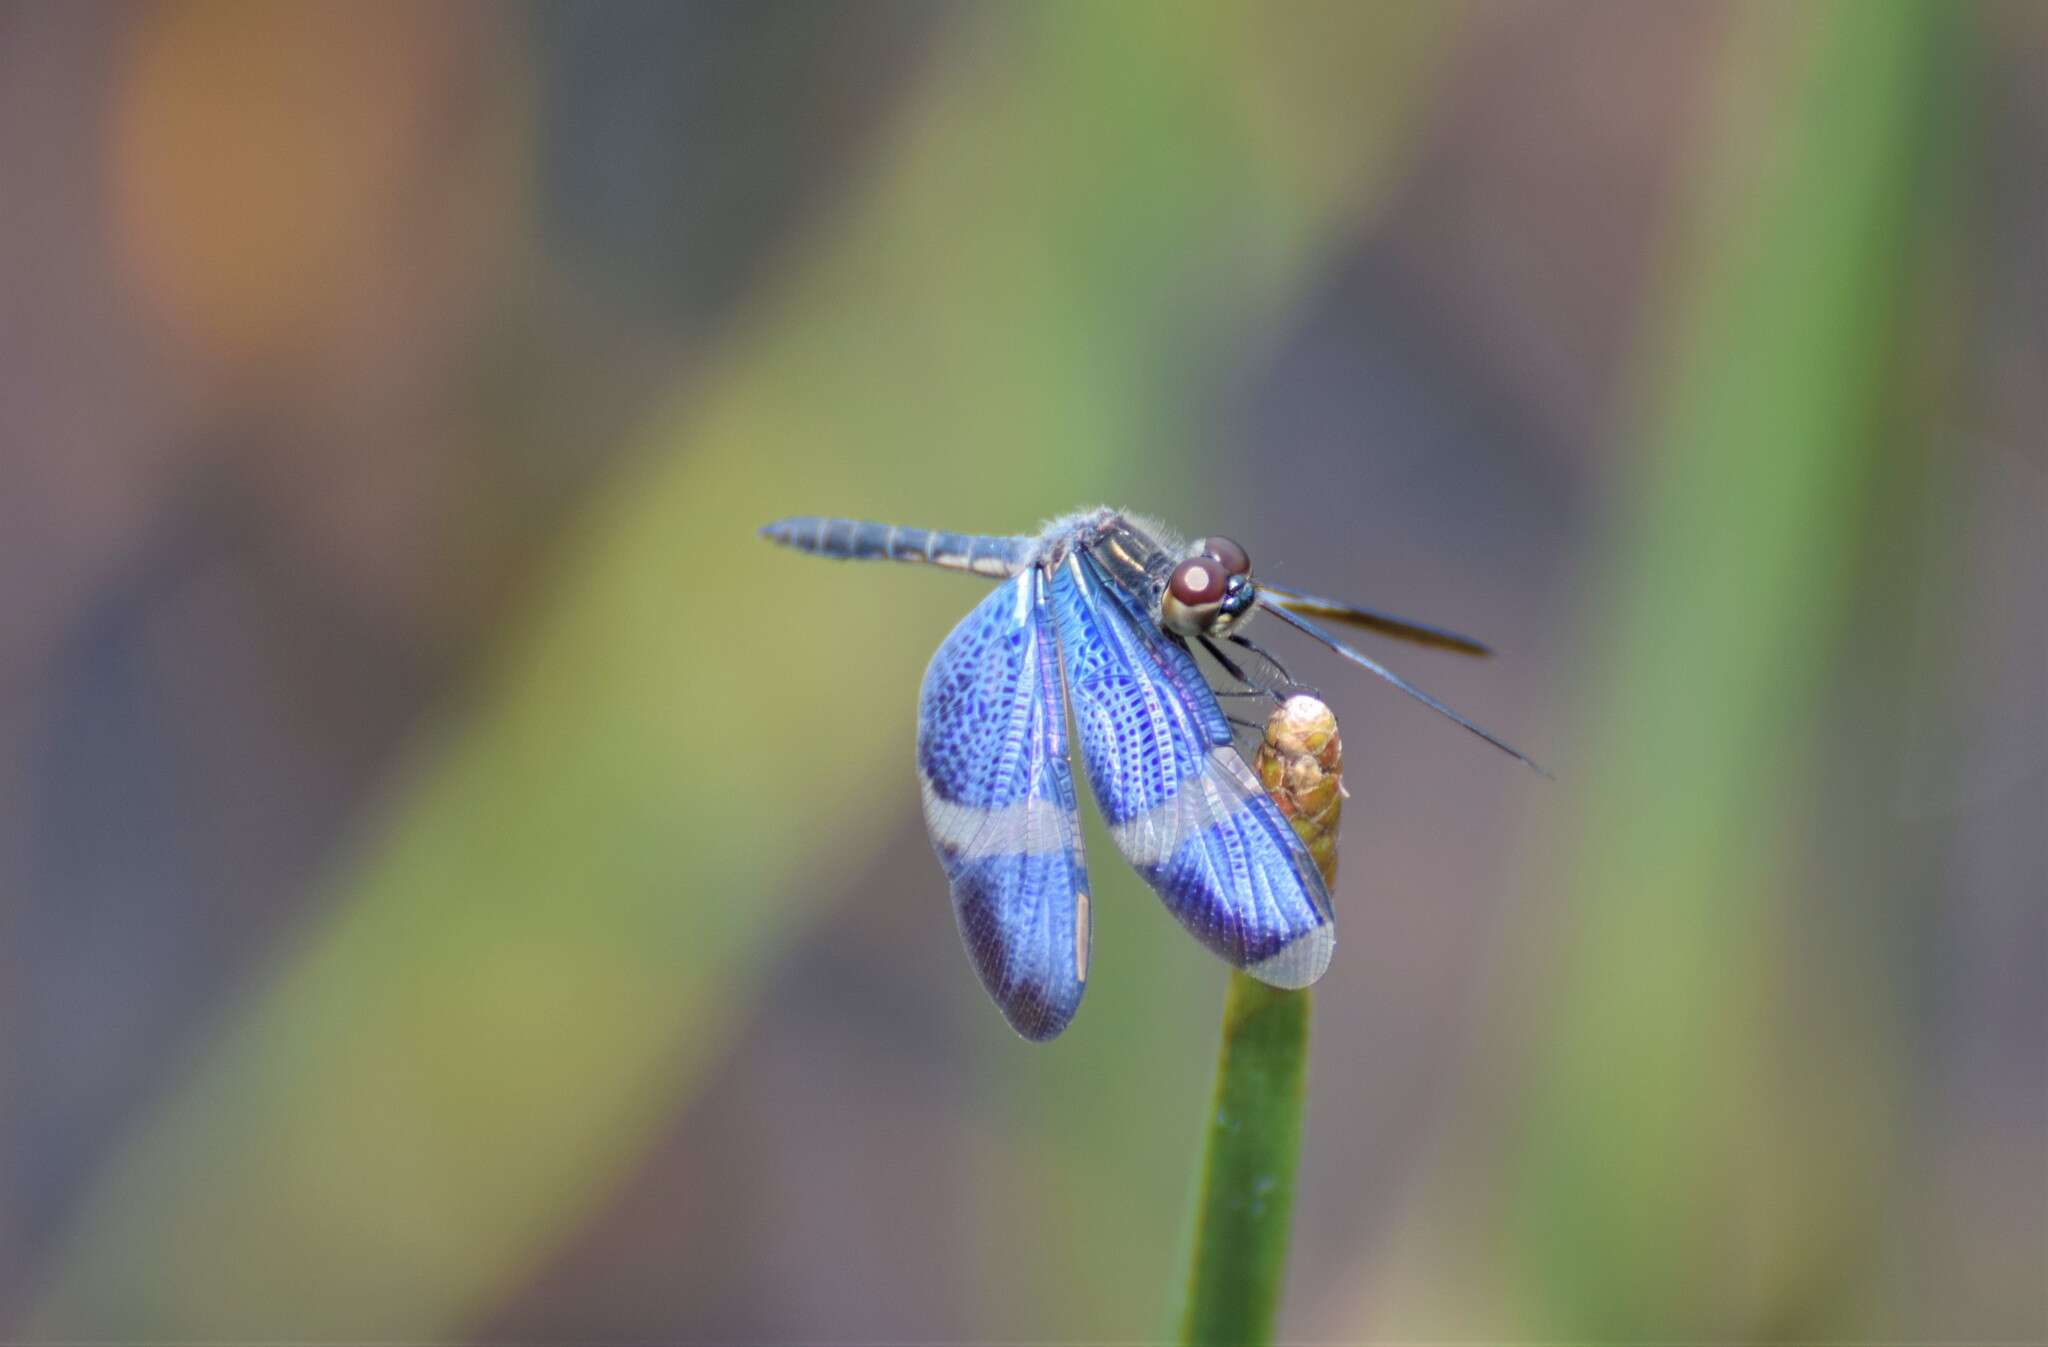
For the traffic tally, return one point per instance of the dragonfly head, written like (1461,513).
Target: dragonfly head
(1209,592)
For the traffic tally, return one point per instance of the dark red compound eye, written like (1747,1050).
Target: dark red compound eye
(1227,554)
(1198,581)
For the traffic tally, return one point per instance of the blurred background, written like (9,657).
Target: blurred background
(456,882)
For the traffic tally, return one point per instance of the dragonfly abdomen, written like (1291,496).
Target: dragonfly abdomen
(860,540)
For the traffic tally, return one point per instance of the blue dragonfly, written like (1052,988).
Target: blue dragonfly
(1106,609)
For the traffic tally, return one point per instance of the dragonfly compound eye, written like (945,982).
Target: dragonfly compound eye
(1227,554)
(1194,596)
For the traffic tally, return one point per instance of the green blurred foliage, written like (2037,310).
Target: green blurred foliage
(1677,1170)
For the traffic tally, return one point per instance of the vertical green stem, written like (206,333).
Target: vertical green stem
(1252,1145)
(1250,1154)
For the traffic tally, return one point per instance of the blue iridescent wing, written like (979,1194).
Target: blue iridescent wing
(999,804)
(1181,804)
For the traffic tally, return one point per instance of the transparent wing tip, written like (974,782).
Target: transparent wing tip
(1300,962)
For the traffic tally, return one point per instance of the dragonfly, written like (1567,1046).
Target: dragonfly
(1102,611)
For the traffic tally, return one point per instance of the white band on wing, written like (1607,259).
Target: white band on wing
(1030,827)
(1153,836)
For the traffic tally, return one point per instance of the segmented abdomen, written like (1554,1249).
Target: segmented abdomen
(860,540)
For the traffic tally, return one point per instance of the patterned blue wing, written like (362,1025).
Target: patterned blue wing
(1181,804)
(999,804)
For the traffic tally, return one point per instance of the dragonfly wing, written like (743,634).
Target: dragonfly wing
(1386,624)
(999,804)
(1181,804)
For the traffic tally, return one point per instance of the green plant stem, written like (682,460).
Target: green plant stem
(1252,1145)
(1250,1154)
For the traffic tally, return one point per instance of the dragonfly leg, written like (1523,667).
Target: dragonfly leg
(1286,681)
(1230,666)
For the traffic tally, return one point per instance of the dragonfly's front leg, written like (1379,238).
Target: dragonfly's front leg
(1270,675)
(1230,666)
